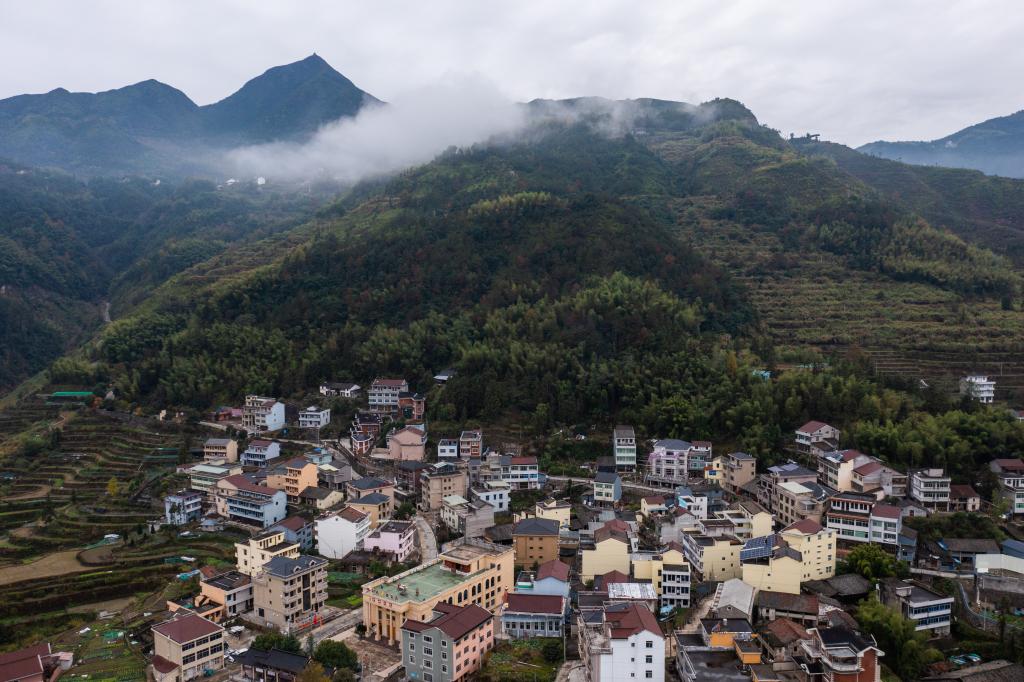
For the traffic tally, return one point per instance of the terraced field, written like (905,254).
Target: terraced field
(809,299)
(55,502)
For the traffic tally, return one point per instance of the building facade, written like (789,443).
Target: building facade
(289,593)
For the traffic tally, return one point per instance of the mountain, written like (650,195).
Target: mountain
(995,147)
(285,102)
(153,129)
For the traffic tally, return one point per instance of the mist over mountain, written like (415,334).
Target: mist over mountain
(995,146)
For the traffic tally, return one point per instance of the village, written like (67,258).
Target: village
(386,552)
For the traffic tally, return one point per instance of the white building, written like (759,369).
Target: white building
(183,507)
(260,452)
(447,449)
(624,448)
(621,642)
(930,487)
(262,414)
(314,418)
(979,387)
(341,390)
(383,394)
(494,493)
(341,532)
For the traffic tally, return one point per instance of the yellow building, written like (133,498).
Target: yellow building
(800,552)
(668,573)
(374,505)
(185,647)
(293,477)
(609,552)
(251,555)
(712,558)
(553,510)
(466,572)
(750,520)
(651,504)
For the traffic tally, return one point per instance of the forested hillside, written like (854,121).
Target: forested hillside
(567,277)
(68,246)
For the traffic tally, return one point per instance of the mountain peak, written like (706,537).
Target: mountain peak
(287,101)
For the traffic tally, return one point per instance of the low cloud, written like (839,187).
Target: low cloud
(412,129)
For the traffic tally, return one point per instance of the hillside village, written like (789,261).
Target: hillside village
(384,551)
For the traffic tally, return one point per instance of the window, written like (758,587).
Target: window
(649,644)
(427,664)
(427,651)
(649,674)
(649,659)
(427,639)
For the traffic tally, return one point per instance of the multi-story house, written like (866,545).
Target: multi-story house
(314,417)
(262,414)
(769,482)
(449,645)
(440,481)
(293,477)
(259,452)
(466,572)
(339,389)
(672,461)
(624,448)
(186,647)
(842,654)
(857,518)
(494,493)
(447,449)
(367,485)
(964,498)
(289,593)
(607,550)
(738,469)
(668,573)
(251,555)
(395,539)
(231,591)
(748,518)
(551,577)
(796,501)
(241,500)
(816,438)
(412,406)
(361,444)
(339,533)
(520,472)
(467,518)
(621,642)
(408,443)
(930,488)
(220,450)
(297,529)
(204,477)
(471,444)
(366,424)
(407,477)
(712,558)
(334,476)
(607,488)
(383,394)
(535,541)
(1011,483)
(978,387)
(875,477)
(525,616)
(377,506)
(929,610)
(183,507)
(783,561)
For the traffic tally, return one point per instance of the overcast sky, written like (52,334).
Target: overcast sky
(854,71)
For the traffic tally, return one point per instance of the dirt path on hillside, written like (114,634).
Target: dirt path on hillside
(41,491)
(50,565)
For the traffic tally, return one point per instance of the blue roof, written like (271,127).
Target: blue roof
(1013,548)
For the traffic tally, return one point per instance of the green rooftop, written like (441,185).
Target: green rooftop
(430,582)
(71,394)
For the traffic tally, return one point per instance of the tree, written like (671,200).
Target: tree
(335,655)
(113,488)
(906,650)
(344,675)
(552,650)
(314,672)
(277,640)
(872,562)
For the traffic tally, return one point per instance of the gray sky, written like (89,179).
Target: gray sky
(852,70)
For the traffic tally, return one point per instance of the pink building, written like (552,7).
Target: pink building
(397,539)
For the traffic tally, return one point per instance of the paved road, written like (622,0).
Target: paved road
(427,540)
(631,487)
